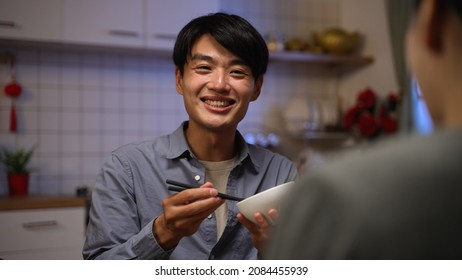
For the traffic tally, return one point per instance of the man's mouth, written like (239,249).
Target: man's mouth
(218,103)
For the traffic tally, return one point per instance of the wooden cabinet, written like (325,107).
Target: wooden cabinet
(103,22)
(150,24)
(42,228)
(166,18)
(29,20)
(135,24)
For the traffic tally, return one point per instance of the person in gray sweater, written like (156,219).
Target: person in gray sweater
(401,198)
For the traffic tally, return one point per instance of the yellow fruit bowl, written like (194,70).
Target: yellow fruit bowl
(337,41)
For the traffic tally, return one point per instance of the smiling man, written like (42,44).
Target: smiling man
(220,64)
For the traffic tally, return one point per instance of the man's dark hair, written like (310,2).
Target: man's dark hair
(233,32)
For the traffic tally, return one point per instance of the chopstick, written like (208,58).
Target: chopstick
(178,187)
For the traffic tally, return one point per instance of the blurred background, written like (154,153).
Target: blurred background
(97,74)
(87,76)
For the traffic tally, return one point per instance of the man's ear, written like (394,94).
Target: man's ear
(178,81)
(435,25)
(257,88)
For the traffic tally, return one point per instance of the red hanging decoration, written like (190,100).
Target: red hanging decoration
(13,90)
(13,122)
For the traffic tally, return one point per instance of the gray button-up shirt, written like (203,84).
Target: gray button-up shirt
(128,194)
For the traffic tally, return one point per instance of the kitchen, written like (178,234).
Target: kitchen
(82,98)
(78,105)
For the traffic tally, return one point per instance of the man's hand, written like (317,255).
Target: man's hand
(261,231)
(183,214)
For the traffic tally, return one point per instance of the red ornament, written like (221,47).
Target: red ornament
(13,90)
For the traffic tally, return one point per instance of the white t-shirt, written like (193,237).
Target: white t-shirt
(217,172)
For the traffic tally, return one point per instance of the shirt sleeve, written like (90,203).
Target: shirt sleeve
(114,230)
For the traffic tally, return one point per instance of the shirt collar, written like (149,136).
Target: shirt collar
(178,147)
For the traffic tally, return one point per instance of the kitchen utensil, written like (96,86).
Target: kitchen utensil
(264,201)
(178,187)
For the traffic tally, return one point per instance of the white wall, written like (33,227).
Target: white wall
(369,18)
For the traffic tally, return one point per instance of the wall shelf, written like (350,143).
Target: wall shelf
(323,59)
(307,58)
(327,135)
(324,135)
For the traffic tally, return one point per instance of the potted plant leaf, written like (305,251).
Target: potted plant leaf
(16,163)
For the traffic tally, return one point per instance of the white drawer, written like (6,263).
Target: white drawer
(25,230)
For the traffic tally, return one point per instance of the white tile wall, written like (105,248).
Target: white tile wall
(78,105)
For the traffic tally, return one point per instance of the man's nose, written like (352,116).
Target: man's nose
(219,81)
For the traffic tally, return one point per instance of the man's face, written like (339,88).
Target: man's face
(216,86)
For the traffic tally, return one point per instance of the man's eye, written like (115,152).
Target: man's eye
(203,67)
(239,73)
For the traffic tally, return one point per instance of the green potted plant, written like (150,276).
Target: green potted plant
(16,163)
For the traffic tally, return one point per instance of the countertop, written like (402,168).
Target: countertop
(39,202)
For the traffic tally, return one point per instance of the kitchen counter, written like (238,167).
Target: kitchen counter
(42,227)
(39,202)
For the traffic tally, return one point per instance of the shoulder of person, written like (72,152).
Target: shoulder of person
(142,147)
(264,152)
(390,157)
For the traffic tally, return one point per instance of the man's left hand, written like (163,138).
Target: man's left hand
(261,231)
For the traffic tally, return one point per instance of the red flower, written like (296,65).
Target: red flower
(369,116)
(367,125)
(351,117)
(392,98)
(367,98)
(392,101)
(383,111)
(389,125)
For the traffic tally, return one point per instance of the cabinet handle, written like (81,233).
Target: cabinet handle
(124,33)
(164,36)
(41,224)
(5,23)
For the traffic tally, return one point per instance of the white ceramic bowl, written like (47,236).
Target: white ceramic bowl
(264,201)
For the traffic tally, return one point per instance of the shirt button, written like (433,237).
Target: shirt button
(209,216)
(197,177)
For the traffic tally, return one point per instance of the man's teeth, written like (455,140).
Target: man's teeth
(215,103)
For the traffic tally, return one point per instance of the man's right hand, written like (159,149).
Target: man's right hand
(183,214)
